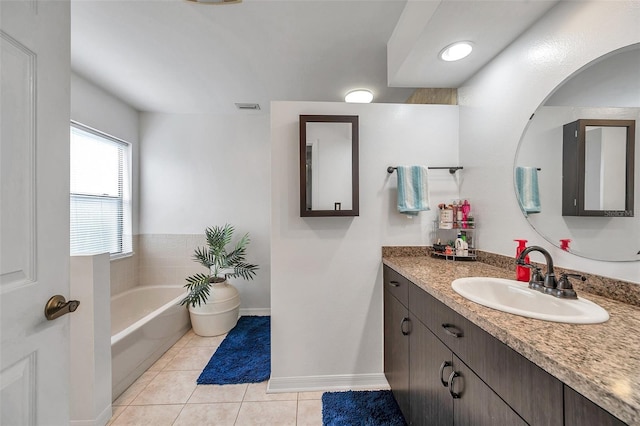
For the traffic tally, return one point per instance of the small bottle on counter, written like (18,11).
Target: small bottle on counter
(459,212)
(462,248)
(446,218)
(465,210)
(522,274)
(470,222)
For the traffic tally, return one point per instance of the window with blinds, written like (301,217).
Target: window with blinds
(100,193)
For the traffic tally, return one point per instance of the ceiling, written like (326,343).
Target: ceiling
(177,56)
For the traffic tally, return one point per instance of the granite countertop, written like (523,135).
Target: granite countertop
(600,361)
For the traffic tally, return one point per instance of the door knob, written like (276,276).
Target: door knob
(57,306)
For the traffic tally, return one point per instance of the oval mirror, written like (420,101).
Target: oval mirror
(606,89)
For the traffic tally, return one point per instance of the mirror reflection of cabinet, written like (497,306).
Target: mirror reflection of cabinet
(598,168)
(329,165)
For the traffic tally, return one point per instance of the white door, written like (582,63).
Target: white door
(34,210)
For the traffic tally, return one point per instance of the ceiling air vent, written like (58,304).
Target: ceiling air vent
(247,106)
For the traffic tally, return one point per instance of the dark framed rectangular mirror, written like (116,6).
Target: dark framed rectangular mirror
(329,183)
(598,168)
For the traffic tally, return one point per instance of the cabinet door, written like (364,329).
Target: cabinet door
(477,404)
(396,350)
(579,411)
(430,401)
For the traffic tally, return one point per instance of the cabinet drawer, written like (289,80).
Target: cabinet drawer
(530,391)
(396,284)
(434,314)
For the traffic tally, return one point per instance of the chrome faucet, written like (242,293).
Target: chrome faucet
(548,285)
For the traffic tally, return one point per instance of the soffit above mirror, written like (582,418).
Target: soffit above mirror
(426,27)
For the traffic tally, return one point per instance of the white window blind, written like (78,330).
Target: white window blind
(100,193)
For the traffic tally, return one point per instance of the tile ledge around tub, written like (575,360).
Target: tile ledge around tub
(620,291)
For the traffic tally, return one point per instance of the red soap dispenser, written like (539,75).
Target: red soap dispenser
(522,273)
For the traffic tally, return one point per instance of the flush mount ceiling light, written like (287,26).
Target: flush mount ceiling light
(215,1)
(359,96)
(456,51)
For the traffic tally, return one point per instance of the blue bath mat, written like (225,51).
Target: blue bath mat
(362,408)
(244,356)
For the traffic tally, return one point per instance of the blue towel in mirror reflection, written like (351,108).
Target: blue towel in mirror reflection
(527,189)
(413,189)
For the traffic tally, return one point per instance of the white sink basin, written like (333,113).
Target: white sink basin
(517,298)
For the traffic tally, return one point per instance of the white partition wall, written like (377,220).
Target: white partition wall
(326,273)
(90,396)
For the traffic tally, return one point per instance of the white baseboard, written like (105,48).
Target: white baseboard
(339,382)
(102,419)
(260,312)
(105,416)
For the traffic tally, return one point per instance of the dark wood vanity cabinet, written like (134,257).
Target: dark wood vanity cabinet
(418,367)
(425,342)
(533,393)
(435,398)
(579,411)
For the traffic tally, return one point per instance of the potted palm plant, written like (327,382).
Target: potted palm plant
(213,303)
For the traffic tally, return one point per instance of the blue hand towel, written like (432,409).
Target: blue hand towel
(527,189)
(413,190)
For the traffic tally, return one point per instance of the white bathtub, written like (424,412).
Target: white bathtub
(145,322)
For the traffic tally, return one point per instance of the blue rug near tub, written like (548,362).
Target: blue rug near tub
(244,356)
(362,408)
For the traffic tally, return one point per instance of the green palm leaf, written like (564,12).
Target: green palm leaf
(198,286)
(203,256)
(244,270)
(216,258)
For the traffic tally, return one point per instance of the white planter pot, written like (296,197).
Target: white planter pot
(219,314)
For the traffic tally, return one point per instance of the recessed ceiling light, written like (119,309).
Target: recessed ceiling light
(359,96)
(456,51)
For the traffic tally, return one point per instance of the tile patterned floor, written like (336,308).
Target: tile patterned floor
(167,394)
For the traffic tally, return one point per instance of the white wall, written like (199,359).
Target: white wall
(200,170)
(98,109)
(496,104)
(326,274)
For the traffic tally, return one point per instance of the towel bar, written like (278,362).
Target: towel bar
(452,169)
